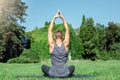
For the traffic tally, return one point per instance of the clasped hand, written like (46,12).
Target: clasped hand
(59,15)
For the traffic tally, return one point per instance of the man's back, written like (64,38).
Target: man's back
(58,60)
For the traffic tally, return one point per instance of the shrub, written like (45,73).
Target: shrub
(108,55)
(21,59)
(104,55)
(115,54)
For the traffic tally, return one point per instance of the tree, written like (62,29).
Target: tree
(101,36)
(74,46)
(112,35)
(89,38)
(12,13)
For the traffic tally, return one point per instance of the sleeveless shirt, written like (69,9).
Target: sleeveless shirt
(58,60)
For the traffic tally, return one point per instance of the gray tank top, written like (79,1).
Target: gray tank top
(58,60)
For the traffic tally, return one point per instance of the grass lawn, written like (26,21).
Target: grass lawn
(102,70)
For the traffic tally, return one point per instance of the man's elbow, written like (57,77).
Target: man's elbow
(66,41)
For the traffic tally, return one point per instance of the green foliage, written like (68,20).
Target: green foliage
(115,55)
(2,49)
(104,55)
(2,42)
(115,46)
(74,45)
(112,42)
(38,51)
(11,14)
(109,55)
(101,36)
(89,38)
(20,60)
(109,41)
(112,34)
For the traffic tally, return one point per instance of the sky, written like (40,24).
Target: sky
(40,11)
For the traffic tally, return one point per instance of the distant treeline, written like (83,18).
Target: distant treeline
(90,42)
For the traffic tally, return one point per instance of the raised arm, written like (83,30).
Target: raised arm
(67,34)
(50,38)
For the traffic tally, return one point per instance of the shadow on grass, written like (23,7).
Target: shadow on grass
(74,76)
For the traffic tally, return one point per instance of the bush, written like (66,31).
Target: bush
(21,59)
(115,54)
(108,55)
(115,46)
(104,55)
(38,51)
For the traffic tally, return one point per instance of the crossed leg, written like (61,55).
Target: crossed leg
(45,69)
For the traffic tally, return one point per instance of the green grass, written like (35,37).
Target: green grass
(102,70)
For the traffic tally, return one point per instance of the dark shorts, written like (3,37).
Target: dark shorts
(46,69)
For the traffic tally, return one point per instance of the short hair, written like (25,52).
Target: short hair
(58,34)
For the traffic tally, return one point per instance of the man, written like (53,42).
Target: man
(58,51)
